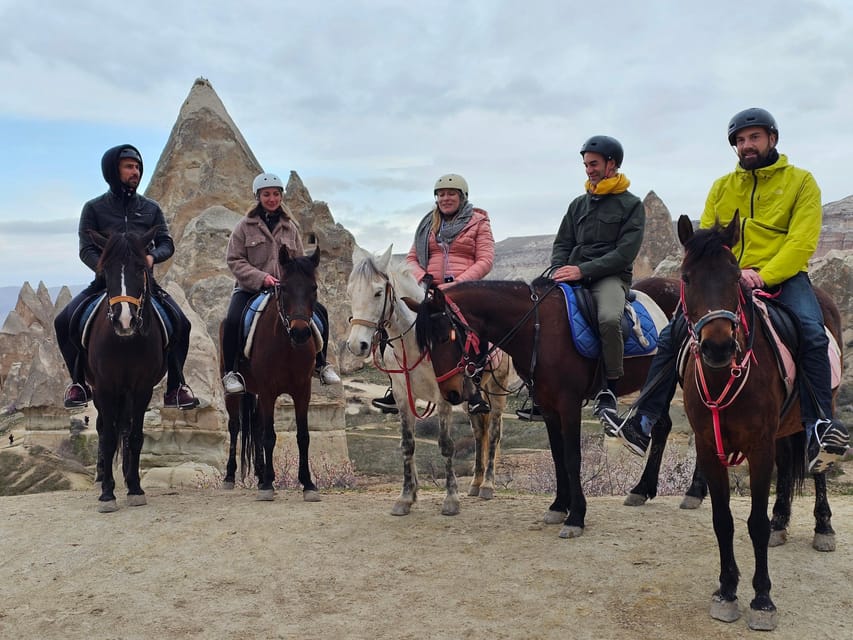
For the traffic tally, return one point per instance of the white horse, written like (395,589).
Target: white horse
(376,290)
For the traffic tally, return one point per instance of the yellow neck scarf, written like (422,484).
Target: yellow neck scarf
(617,184)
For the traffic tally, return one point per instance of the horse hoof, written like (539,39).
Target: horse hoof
(690,502)
(724,610)
(136,500)
(762,620)
(265,495)
(554,517)
(778,538)
(571,532)
(310,495)
(487,493)
(108,506)
(450,507)
(823,542)
(634,500)
(401,508)
(474,490)
(228,485)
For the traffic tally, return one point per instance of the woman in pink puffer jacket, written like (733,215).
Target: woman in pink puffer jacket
(453,243)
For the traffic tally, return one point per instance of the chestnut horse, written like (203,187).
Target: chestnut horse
(281,361)
(529,322)
(734,397)
(125,359)
(383,327)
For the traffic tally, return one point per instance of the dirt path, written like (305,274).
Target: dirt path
(212,564)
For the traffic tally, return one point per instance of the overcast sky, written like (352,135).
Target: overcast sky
(371,101)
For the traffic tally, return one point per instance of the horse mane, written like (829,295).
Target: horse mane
(301,265)
(121,248)
(705,244)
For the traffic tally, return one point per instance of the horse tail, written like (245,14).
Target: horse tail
(247,445)
(798,460)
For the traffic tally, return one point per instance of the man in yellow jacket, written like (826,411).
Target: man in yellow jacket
(780,213)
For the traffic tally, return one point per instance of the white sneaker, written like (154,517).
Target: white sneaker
(233,382)
(327,375)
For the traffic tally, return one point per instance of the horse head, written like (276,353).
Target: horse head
(124,268)
(441,330)
(710,290)
(296,294)
(372,300)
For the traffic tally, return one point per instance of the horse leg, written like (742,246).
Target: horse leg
(478,428)
(559,509)
(265,434)
(135,494)
(571,429)
(495,424)
(107,444)
(724,605)
(303,439)
(697,490)
(824,534)
(784,494)
(450,506)
(647,487)
(409,493)
(762,612)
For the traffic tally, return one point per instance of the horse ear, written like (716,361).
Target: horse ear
(283,255)
(148,237)
(685,229)
(315,257)
(98,239)
(733,230)
(413,304)
(384,260)
(359,254)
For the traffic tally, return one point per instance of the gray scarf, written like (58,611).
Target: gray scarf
(446,234)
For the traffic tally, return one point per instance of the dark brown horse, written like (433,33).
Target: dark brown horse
(124,361)
(529,322)
(281,361)
(734,398)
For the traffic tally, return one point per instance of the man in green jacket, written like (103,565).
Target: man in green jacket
(596,245)
(780,214)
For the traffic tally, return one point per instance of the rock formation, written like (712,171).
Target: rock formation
(837,231)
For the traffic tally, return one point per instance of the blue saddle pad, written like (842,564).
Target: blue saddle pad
(90,305)
(586,337)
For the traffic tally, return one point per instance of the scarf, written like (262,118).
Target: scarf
(447,232)
(617,184)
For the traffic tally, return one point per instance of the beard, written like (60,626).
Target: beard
(755,161)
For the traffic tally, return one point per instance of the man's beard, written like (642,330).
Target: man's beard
(755,161)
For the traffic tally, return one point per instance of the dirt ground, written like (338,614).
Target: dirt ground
(216,564)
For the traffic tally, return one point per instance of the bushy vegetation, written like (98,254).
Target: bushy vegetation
(326,474)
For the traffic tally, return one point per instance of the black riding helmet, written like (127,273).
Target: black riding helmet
(606,146)
(109,164)
(752,117)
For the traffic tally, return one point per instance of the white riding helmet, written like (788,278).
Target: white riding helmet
(452,181)
(266,181)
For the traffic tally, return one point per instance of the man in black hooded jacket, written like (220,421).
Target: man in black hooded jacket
(122,209)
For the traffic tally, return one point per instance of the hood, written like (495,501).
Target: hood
(109,167)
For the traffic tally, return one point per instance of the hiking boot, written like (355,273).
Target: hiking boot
(605,407)
(180,398)
(327,374)
(77,395)
(632,436)
(386,402)
(233,382)
(532,413)
(828,443)
(478,405)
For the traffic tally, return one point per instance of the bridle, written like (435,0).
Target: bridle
(738,371)
(137,302)
(286,317)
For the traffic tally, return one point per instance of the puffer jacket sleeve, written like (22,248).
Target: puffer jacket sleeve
(484,251)
(164,245)
(412,260)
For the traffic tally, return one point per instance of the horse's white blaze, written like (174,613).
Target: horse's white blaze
(125,316)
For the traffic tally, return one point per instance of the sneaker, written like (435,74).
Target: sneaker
(327,375)
(605,406)
(632,436)
(828,443)
(180,398)
(77,395)
(478,405)
(532,413)
(233,382)
(386,402)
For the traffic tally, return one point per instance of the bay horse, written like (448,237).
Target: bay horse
(382,326)
(529,322)
(734,398)
(281,361)
(125,359)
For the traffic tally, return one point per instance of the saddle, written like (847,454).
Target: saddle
(249,323)
(642,321)
(81,319)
